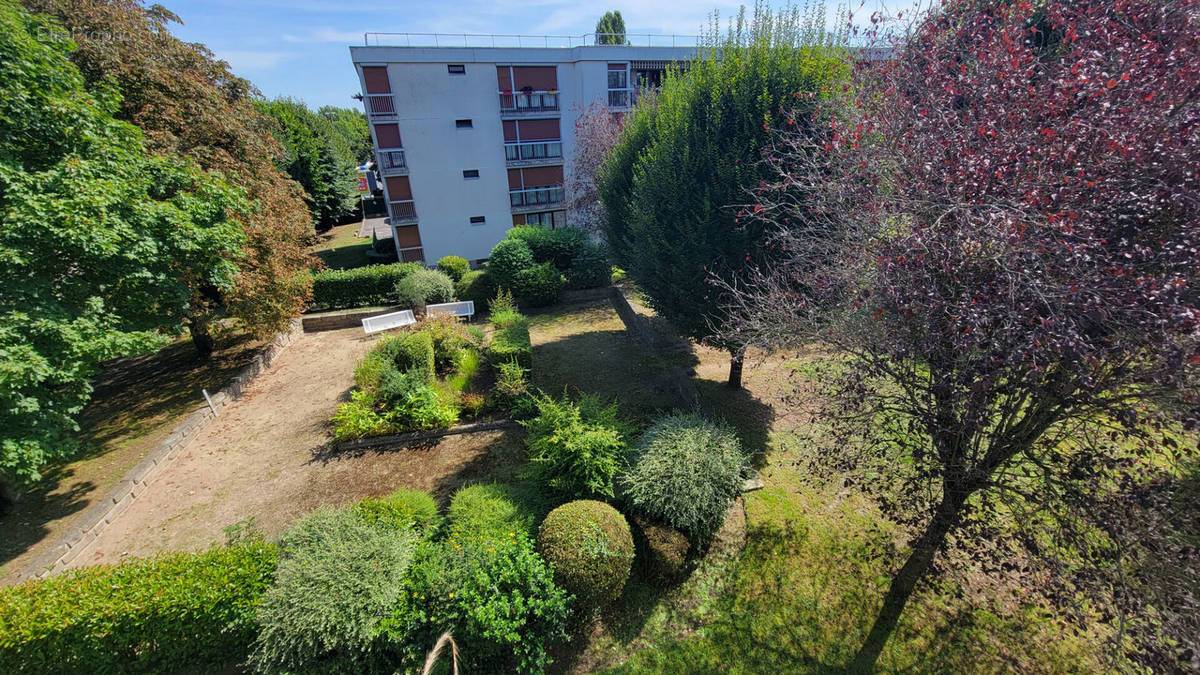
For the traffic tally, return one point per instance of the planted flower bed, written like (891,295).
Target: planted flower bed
(438,373)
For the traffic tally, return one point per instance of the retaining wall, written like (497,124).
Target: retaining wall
(89,524)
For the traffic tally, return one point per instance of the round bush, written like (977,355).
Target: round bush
(687,471)
(508,258)
(662,551)
(454,266)
(476,286)
(539,285)
(589,545)
(425,287)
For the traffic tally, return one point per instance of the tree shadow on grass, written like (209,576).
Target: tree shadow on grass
(26,524)
(745,412)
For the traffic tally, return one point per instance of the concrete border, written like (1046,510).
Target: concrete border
(410,437)
(88,525)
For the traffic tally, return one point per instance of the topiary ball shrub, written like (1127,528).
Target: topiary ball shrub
(686,472)
(454,266)
(476,286)
(662,551)
(539,285)
(589,545)
(401,509)
(496,511)
(507,259)
(425,287)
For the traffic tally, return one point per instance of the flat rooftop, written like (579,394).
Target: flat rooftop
(484,48)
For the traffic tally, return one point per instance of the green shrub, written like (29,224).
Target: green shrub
(570,454)
(559,247)
(686,473)
(163,614)
(338,578)
(359,287)
(508,258)
(368,371)
(466,365)
(496,510)
(401,509)
(411,350)
(454,266)
(476,286)
(662,551)
(590,268)
(511,384)
(413,403)
(539,285)
(502,304)
(425,287)
(510,340)
(358,418)
(497,598)
(590,548)
(449,336)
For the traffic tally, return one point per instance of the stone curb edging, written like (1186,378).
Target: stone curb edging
(89,524)
(408,438)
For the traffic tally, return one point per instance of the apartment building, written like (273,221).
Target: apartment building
(472,140)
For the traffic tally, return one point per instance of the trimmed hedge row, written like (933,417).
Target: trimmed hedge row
(359,287)
(156,615)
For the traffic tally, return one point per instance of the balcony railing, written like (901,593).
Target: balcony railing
(516,152)
(403,212)
(618,98)
(540,196)
(528,102)
(489,40)
(392,161)
(381,105)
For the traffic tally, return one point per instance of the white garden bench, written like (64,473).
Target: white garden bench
(463,308)
(374,324)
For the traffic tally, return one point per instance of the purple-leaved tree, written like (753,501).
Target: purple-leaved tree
(999,233)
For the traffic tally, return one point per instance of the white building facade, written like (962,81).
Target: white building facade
(470,141)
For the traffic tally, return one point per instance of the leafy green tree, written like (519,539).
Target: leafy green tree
(671,185)
(103,245)
(610,29)
(317,157)
(351,126)
(187,103)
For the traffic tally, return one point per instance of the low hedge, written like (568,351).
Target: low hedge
(510,341)
(184,610)
(360,287)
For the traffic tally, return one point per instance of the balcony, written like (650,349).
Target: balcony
(535,199)
(392,163)
(403,212)
(380,106)
(533,153)
(519,103)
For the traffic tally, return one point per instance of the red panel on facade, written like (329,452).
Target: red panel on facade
(518,219)
(538,78)
(398,188)
(542,176)
(376,80)
(408,236)
(412,255)
(514,179)
(388,135)
(539,130)
(504,78)
(616,66)
(510,130)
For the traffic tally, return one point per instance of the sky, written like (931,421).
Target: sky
(300,48)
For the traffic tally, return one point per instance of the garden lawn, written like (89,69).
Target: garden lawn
(137,402)
(341,248)
(801,595)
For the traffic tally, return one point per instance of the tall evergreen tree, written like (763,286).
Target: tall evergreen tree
(610,29)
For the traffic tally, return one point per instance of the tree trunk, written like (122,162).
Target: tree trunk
(737,357)
(904,582)
(8,496)
(202,339)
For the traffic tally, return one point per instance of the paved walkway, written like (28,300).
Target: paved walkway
(379,226)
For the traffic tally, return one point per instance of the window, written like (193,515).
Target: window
(478,220)
(618,85)
(469,174)
(618,79)
(456,68)
(463,124)
(551,219)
